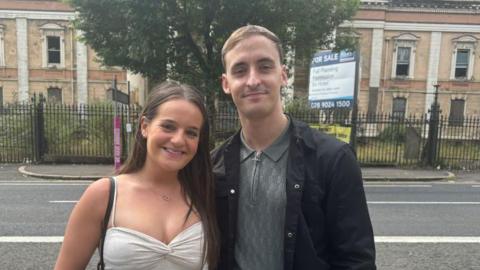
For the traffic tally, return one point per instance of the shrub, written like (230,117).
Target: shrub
(393,132)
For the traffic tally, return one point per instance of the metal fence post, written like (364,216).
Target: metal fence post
(353,132)
(38,127)
(432,141)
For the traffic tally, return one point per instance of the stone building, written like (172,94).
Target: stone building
(409,46)
(40,52)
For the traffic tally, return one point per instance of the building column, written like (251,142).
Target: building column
(433,60)
(138,86)
(2,46)
(22,59)
(82,71)
(375,69)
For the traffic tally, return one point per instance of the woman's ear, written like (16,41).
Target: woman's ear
(143,126)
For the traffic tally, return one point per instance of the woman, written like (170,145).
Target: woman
(164,203)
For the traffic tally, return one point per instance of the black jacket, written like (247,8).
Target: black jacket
(327,225)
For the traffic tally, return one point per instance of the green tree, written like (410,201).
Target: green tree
(182,39)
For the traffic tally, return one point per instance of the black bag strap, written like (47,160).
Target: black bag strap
(101,264)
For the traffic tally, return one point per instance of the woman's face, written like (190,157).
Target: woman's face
(173,135)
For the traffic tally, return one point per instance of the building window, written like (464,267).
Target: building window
(403,62)
(399,107)
(53,43)
(463,57)
(53,50)
(461,65)
(54,95)
(457,108)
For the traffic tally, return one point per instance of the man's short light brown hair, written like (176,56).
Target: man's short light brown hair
(247,31)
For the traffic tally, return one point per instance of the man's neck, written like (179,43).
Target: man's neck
(260,133)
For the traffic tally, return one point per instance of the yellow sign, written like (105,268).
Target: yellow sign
(340,132)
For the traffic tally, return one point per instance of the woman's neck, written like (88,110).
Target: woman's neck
(152,176)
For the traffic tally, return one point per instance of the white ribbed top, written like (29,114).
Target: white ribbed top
(126,248)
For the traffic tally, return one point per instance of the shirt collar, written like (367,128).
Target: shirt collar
(274,152)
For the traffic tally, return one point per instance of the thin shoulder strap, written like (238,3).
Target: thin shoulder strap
(101,264)
(114,208)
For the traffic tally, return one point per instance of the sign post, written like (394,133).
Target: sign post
(333,83)
(117,124)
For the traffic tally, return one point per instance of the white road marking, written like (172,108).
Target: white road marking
(378,239)
(427,239)
(400,202)
(45,183)
(31,239)
(387,185)
(62,201)
(475,185)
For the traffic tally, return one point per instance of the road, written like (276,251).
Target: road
(425,225)
(417,225)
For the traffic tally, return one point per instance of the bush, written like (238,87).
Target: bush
(393,132)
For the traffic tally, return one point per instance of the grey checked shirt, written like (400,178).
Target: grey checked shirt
(261,208)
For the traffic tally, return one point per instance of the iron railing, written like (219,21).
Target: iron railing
(41,132)
(17,129)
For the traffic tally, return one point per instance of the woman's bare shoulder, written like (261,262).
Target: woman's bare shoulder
(99,187)
(96,194)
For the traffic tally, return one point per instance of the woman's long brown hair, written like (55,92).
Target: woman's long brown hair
(196,178)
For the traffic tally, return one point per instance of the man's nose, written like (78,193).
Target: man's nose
(253,78)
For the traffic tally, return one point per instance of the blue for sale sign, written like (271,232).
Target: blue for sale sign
(332,80)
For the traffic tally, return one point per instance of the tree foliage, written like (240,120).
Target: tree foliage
(182,39)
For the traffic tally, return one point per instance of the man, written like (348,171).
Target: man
(288,197)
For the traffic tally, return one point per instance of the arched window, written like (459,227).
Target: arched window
(457,110)
(463,57)
(403,62)
(53,42)
(54,95)
(399,107)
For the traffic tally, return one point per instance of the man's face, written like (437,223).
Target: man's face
(253,76)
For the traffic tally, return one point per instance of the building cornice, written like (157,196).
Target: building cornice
(413,27)
(423,6)
(37,15)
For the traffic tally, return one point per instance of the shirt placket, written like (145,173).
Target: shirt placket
(256,177)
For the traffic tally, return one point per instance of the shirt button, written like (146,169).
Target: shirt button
(232,191)
(296,186)
(289,235)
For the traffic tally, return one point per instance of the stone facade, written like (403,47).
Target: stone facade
(40,53)
(438,43)
(432,32)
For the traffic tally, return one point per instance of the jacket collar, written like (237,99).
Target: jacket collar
(302,132)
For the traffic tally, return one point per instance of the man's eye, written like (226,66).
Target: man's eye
(238,71)
(265,67)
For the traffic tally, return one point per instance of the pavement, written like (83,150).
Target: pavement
(93,172)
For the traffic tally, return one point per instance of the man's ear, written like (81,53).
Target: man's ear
(284,75)
(225,86)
